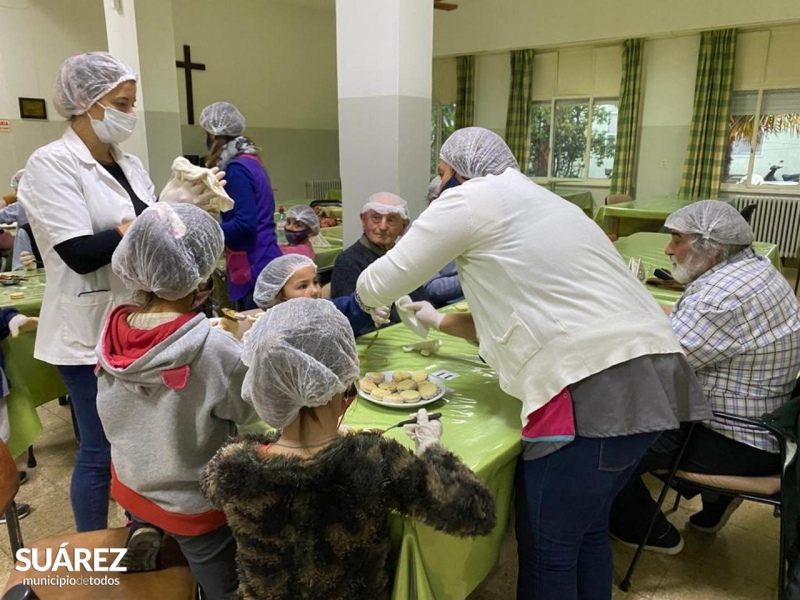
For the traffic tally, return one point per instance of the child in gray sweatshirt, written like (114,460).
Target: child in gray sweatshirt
(169,391)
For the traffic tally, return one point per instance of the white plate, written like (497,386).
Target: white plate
(388,374)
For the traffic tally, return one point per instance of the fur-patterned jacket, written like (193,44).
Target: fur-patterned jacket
(318,529)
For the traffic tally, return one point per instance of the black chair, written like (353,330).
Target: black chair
(747,212)
(765,490)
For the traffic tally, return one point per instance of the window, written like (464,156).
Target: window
(443,123)
(573,138)
(764,138)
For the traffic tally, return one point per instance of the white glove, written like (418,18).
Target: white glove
(426,314)
(28,260)
(22,324)
(425,433)
(380,315)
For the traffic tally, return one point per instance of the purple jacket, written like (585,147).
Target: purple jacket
(250,238)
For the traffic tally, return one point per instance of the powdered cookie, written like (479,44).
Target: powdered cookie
(396,398)
(375,377)
(411,396)
(401,375)
(419,376)
(388,385)
(365,385)
(379,394)
(406,384)
(428,390)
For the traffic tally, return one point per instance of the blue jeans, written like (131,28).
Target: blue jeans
(91,478)
(562,506)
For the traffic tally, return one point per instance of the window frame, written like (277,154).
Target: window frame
(747,186)
(439,108)
(566,181)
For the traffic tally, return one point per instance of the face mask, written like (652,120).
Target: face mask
(116,126)
(452,182)
(296,237)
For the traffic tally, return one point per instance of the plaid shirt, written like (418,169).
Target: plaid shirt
(739,326)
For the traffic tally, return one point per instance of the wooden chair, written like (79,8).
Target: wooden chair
(173,582)
(617,198)
(765,490)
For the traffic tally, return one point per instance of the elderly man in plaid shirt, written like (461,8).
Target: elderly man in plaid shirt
(738,322)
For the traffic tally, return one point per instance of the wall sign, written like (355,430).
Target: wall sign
(5,125)
(32,108)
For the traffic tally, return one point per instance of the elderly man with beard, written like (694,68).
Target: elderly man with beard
(739,327)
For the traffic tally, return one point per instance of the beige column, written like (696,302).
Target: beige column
(384,50)
(141,35)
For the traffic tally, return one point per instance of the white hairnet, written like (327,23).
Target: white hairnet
(85,78)
(476,152)
(169,250)
(386,203)
(714,220)
(271,280)
(306,215)
(15,178)
(222,118)
(299,353)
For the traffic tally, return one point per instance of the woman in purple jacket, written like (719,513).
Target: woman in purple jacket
(250,238)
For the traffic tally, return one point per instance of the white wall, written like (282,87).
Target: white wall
(277,63)
(35,38)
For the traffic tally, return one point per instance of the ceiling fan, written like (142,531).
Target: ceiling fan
(441,5)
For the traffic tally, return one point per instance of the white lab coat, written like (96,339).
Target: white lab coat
(66,194)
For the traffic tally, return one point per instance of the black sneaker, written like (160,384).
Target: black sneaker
(23,510)
(669,542)
(714,515)
(23,477)
(144,547)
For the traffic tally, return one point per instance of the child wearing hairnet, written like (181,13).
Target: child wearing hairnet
(309,507)
(169,393)
(302,223)
(295,276)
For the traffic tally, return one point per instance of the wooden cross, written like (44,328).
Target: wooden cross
(188,66)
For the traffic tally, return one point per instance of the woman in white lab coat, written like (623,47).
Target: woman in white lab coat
(81,193)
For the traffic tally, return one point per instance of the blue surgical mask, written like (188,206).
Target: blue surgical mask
(295,237)
(451,183)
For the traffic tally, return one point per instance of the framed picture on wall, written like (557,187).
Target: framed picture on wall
(32,108)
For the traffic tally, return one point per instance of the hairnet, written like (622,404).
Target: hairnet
(433,188)
(15,178)
(386,203)
(306,215)
(714,220)
(271,280)
(476,152)
(169,250)
(85,78)
(299,353)
(222,118)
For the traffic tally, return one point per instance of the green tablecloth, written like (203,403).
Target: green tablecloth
(33,382)
(481,425)
(626,218)
(581,198)
(649,247)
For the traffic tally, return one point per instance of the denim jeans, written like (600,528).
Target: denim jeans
(91,478)
(212,558)
(562,506)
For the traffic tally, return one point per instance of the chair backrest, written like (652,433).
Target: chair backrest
(617,198)
(9,478)
(747,211)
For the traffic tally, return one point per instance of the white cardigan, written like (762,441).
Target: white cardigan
(552,299)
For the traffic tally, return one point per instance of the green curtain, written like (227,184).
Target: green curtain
(708,137)
(465,94)
(623,176)
(518,120)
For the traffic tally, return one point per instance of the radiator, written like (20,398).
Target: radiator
(316,190)
(776,220)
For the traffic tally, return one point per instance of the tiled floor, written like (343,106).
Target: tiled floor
(740,562)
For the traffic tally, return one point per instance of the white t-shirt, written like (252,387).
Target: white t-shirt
(67,194)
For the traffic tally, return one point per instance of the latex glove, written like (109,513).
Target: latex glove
(380,315)
(28,260)
(426,314)
(425,433)
(22,324)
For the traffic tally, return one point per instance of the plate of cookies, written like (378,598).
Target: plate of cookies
(398,389)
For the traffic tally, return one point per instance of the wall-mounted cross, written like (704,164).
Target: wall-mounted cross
(188,66)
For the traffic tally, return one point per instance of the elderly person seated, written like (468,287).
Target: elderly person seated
(383,218)
(739,325)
